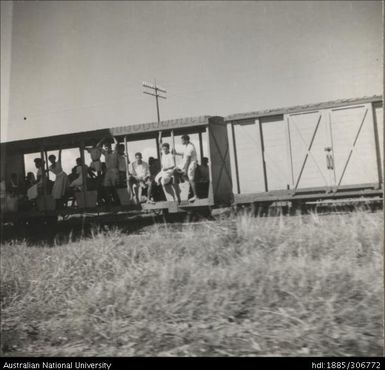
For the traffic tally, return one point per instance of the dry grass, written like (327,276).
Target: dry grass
(292,286)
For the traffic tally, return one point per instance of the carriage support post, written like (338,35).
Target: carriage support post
(44,176)
(377,145)
(127,169)
(84,174)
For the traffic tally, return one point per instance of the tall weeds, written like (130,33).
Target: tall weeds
(304,285)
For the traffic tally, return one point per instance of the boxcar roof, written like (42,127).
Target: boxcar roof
(139,131)
(302,108)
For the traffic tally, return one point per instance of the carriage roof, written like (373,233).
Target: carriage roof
(133,132)
(302,108)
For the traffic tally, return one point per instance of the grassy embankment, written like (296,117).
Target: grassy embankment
(305,285)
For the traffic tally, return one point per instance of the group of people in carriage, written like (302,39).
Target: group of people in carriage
(144,180)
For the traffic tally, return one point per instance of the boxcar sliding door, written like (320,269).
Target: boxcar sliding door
(333,147)
(354,145)
(309,137)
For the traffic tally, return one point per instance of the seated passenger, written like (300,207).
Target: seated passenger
(78,181)
(202,174)
(139,176)
(30,180)
(168,166)
(154,193)
(154,166)
(202,178)
(73,175)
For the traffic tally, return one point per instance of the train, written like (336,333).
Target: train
(290,156)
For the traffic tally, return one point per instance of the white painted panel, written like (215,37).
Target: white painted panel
(249,158)
(379,113)
(346,125)
(302,129)
(274,131)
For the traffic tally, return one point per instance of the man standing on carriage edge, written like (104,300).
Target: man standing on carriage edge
(189,164)
(111,177)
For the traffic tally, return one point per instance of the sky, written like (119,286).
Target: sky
(70,66)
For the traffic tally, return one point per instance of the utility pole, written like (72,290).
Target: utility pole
(156,90)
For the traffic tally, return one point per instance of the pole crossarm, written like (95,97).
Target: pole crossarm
(159,96)
(156,94)
(150,86)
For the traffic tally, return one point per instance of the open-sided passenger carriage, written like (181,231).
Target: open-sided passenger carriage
(208,133)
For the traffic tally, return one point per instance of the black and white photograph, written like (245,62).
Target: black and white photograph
(192,179)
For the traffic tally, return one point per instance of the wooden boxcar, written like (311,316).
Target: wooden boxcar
(314,152)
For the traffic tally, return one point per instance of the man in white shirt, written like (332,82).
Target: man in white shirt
(139,175)
(168,166)
(189,164)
